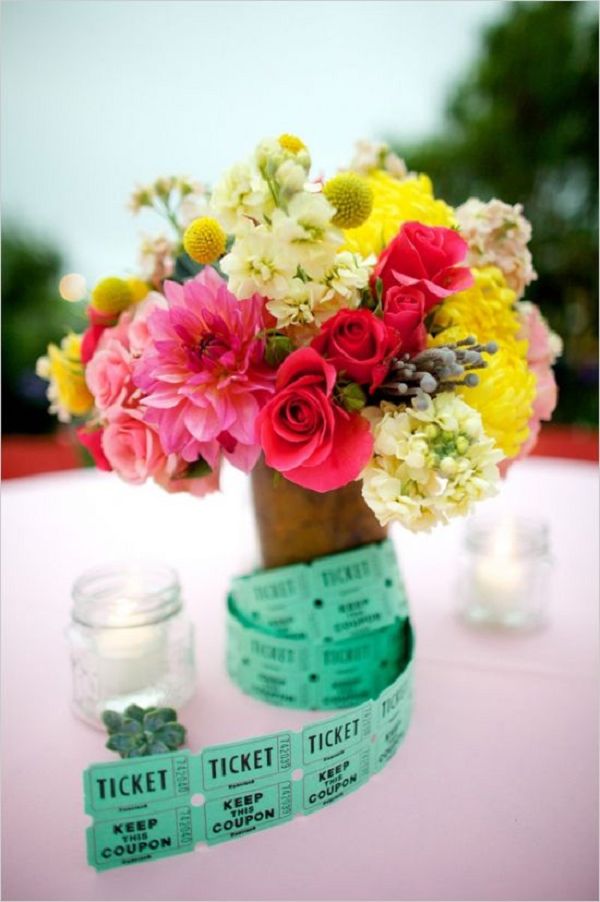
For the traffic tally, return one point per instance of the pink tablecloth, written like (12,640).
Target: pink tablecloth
(493,795)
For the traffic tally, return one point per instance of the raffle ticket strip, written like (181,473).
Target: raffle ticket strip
(330,634)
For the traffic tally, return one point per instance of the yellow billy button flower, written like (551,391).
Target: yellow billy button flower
(352,198)
(112,295)
(291,143)
(204,240)
(138,288)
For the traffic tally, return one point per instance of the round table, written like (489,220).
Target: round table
(492,795)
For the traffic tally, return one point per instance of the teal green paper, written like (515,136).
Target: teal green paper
(352,650)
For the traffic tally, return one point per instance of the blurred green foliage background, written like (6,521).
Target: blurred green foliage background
(522,126)
(32,316)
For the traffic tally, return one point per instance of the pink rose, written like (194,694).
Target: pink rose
(173,479)
(358,344)
(426,257)
(138,333)
(304,434)
(133,449)
(91,439)
(108,375)
(404,309)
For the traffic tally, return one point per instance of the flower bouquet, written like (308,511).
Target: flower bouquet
(357,336)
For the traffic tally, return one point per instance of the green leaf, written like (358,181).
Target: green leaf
(156,718)
(197,469)
(131,727)
(353,397)
(122,742)
(277,349)
(138,752)
(172,734)
(134,712)
(185,268)
(112,720)
(158,748)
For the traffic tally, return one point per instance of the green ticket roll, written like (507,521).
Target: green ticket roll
(331,634)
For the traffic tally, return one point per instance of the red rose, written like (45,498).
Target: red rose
(403,311)
(307,436)
(358,344)
(92,441)
(426,257)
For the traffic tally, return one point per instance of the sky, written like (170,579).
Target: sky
(98,96)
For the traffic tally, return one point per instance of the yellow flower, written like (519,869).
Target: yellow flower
(352,197)
(504,397)
(204,240)
(506,389)
(111,296)
(138,288)
(67,392)
(486,310)
(292,143)
(396,202)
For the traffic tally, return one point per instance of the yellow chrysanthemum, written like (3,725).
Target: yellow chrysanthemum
(204,240)
(504,397)
(486,310)
(352,197)
(111,296)
(67,392)
(396,202)
(506,389)
(292,143)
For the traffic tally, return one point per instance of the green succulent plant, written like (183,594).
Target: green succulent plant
(143,731)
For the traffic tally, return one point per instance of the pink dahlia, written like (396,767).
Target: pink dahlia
(203,372)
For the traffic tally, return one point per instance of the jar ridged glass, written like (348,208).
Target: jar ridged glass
(130,640)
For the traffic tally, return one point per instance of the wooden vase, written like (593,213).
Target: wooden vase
(296,525)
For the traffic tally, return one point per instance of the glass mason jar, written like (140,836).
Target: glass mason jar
(130,640)
(504,573)
(297,525)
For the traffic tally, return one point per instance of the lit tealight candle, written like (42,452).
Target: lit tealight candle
(130,656)
(504,578)
(499,574)
(131,642)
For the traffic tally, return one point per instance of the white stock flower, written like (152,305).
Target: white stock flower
(193,205)
(259,264)
(497,235)
(241,194)
(156,258)
(428,465)
(299,304)
(344,284)
(350,276)
(370,155)
(307,232)
(290,177)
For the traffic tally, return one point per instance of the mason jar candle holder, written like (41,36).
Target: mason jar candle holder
(130,641)
(504,573)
